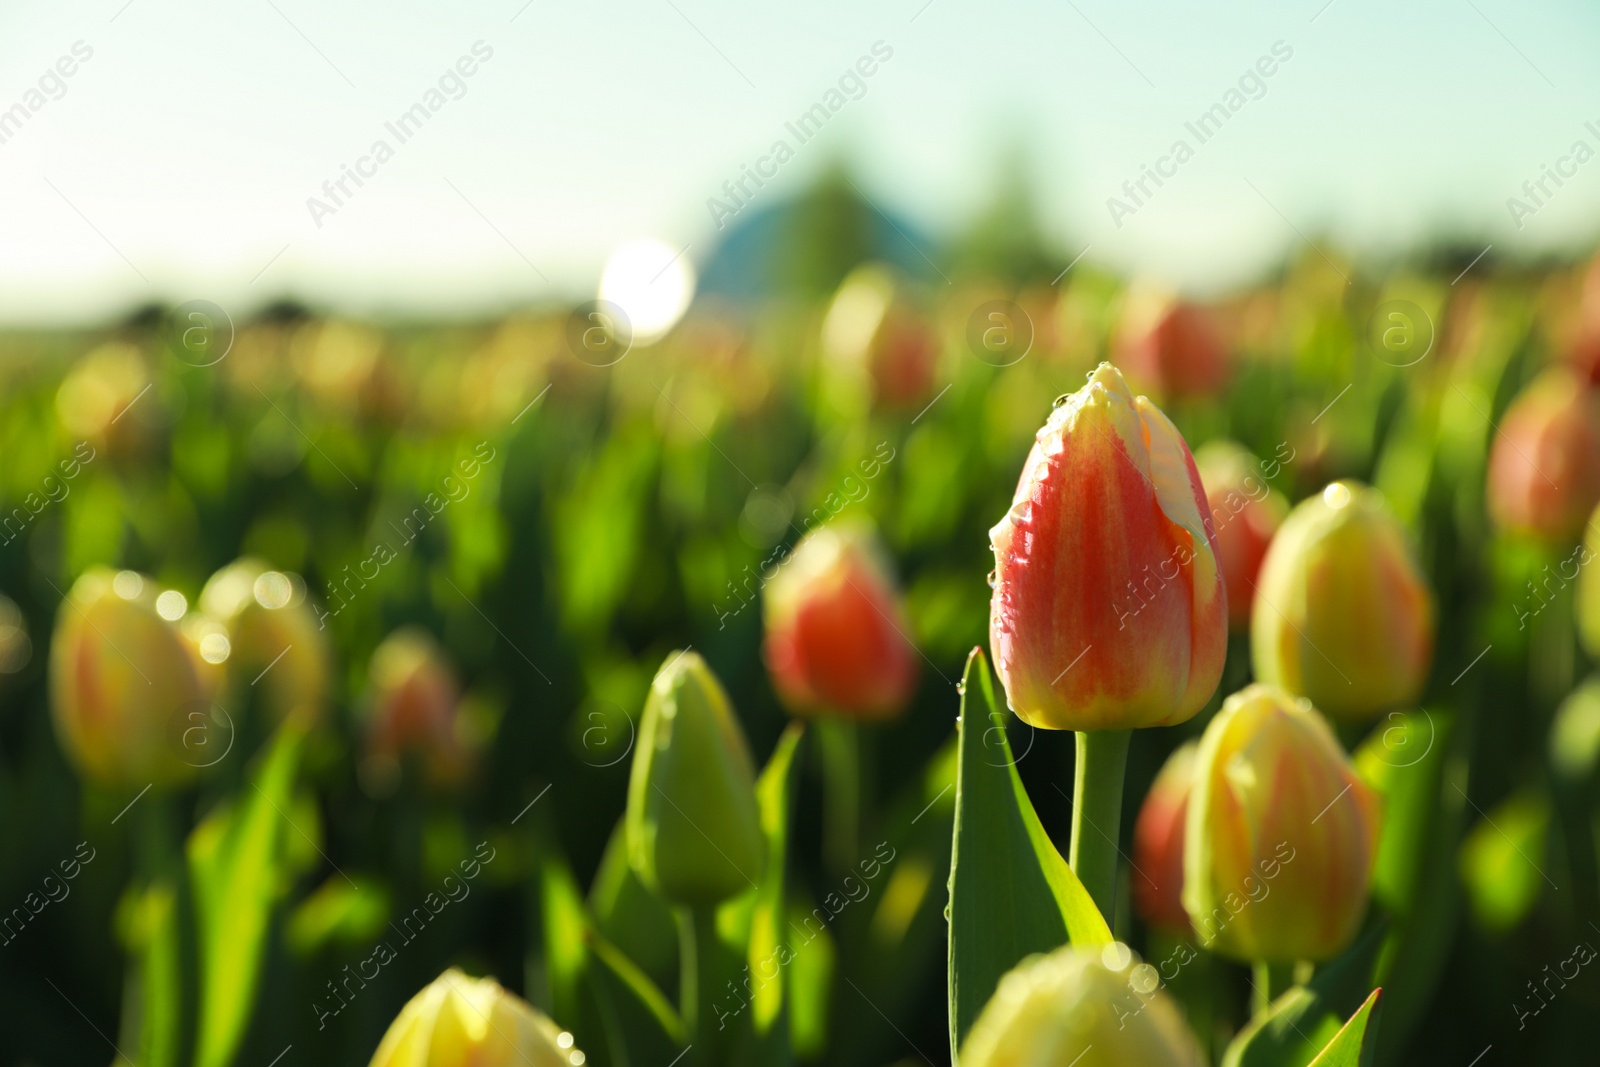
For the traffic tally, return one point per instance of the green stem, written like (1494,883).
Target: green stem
(840,740)
(1097,813)
(1271,980)
(699,952)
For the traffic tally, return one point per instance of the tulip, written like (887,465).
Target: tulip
(273,633)
(1245,513)
(836,636)
(457,1021)
(1171,344)
(1343,614)
(1281,834)
(873,329)
(1158,844)
(413,710)
(694,832)
(1108,609)
(1081,1007)
(122,682)
(1544,470)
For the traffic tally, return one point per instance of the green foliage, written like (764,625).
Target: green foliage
(1011,893)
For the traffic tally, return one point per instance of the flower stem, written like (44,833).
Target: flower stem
(840,741)
(1270,981)
(699,952)
(1097,813)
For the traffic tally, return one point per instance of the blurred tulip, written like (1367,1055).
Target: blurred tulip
(1158,844)
(1171,344)
(1081,1007)
(457,1021)
(122,682)
(413,709)
(1245,513)
(1544,470)
(1343,614)
(273,632)
(16,648)
(99,390)
(836,635)
(694,833)
(872,327)
(1281,833)
(1106,556)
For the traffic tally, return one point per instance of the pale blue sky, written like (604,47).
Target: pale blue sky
(193,137)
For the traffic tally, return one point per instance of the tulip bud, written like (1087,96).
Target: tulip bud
(121,682)
(1084,1007)
(273,633)
(1544,470)
(1281,833)
(412,710)
(836,636)
(873,331)
(694,832)
(1108,610)
(1157,883)
(1245,513)
(1172,345)
(1343,614)
(457,1021)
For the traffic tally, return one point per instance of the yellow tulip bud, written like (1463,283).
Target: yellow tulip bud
(122,682)
(273,632)
(1281,834)
(694,831)
(1343,614)
(1081,1006)
(457,1021)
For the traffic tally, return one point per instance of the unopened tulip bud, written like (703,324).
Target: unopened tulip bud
(1245,513)
(122,682)
(413,710)
(1544,470)
(1343,614)
(1109,610)
(1157,881)
(1172,345)
(694,832)
(836,636)
(873,331)
(273,632)
(1084,1007)
(459,1021)
(1281,833)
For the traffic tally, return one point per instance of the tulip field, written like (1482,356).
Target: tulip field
(915,672)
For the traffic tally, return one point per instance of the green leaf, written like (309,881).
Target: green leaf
(1011,893)
(767,918)
(236,857)
(1353,1045)
(1302,1021)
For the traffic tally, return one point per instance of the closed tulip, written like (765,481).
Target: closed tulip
(1109,610)
(457,1021)
(1172,345)
(1245,513)
(122,682)
(412,710)
(1157,882)
(1544,470)
(1343,614)
(836,635)
(1081,1007)
(1281,833)
(273,633)
(875,335)
(694,833)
